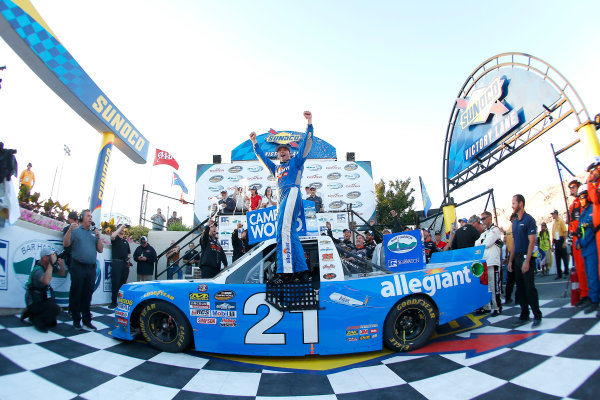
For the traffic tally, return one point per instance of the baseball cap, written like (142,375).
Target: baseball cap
(463,220)
(287,146)
(554,212)
(46,251)
(574,182)
(143,239)
(369,232)
(594,162)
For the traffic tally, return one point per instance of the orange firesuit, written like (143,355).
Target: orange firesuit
(594,197)
(574,213)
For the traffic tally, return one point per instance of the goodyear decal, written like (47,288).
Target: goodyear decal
(159,293)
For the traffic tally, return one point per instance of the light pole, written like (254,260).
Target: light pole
(67,153)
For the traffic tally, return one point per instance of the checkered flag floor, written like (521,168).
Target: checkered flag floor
(562,361)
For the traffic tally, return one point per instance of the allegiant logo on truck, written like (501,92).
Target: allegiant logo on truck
(428,284)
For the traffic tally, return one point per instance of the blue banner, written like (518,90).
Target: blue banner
(262,224)
(500,102)
(268,143)
(404,251)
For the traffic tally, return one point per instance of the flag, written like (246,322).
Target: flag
(177,181)
(426,199)
(163,157)
(182,200)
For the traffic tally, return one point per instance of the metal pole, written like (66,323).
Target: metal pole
(494,205)
(53,180)
(561,181)
(67,153)
(142,203)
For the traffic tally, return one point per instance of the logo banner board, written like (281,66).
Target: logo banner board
(500,102)
(338,183)
(404,251)
(20,247)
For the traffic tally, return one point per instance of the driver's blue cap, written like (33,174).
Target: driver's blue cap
(287,146)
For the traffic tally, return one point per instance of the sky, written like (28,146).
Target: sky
(196,77)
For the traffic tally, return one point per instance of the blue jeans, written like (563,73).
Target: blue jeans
(171,271)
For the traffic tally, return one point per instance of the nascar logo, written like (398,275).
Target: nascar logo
(216,178)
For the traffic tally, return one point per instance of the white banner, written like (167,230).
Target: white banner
(20,247)
(338,183)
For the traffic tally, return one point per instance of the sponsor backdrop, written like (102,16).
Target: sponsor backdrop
(404,251)
(338,183)
(20,247)
(500,102)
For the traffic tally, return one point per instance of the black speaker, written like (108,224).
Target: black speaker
(217,159)
(350,156)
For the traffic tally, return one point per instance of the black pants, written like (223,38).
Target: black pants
(83,277)
(43,314)
(527,294)
(510,283)
(208,271)
(119,272)
(560,253)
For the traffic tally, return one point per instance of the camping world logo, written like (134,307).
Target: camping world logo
(216,178)
(402,244)
(255,168)
(235,169)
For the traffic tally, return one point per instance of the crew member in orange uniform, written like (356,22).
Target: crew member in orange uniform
(574,213)
(593,187)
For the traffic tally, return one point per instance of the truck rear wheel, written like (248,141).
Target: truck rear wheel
(410,324)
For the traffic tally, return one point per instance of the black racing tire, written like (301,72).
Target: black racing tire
(410,324)
(165,327)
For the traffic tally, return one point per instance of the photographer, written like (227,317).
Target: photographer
(119,266)
(85,242)
(41,309)
(491,238)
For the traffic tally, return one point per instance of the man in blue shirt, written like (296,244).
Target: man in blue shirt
(521,260)
(290,254)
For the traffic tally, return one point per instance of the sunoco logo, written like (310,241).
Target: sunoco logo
(350,167)
(353,195)
(235,169)
(215,188)
(334,185)
(283,138)
(235,178)
(255,168)
(334,175)
(402,244)
(216,178)
(352,176)
(482,102)
(313,168)
(337,204)
(316,185)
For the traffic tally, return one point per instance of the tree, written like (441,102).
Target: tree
(396,196)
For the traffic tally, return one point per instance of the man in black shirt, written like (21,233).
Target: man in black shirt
(226,203)
(346,243)
(191,258)
(239,242)
(466,235)
(429,245)
(72,218)
(212,252)
(145,255)
(315,199)
(119,266)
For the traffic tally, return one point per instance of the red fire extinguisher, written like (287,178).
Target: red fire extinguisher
(575,291)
